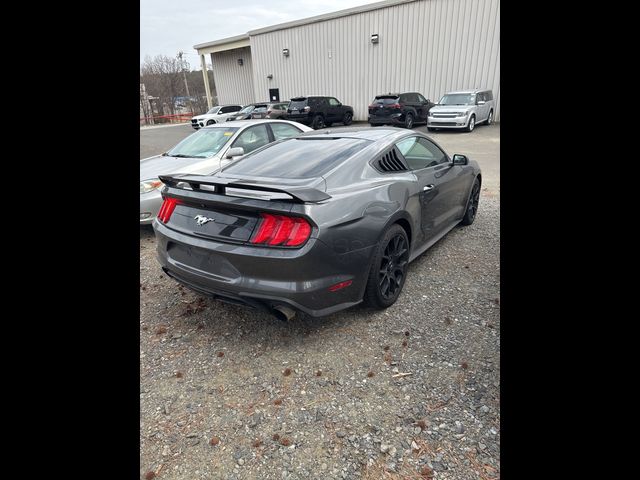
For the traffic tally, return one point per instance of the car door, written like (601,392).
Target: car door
(424,106)
(412,101)
(483,110)
(438,185)
(334,111)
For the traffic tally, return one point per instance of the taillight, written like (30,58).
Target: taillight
(306,109)
(395,105)
(280,230)
(167,208)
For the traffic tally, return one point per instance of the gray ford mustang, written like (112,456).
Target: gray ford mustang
(316,223)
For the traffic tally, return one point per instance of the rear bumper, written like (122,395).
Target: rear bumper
(304,119)
(395,119)
(264,277)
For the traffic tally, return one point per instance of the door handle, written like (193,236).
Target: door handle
(427,188)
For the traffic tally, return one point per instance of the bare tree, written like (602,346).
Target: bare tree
(162,76)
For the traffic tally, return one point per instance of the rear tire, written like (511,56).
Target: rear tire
(408,120)
(472,204)
(318,122)
(328,124)
(490,118)
(388,269)
(347,119)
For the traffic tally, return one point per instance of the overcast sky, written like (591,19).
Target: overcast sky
(168,26)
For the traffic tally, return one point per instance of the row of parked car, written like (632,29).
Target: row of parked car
(455,110)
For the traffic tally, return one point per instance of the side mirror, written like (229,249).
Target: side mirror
(460,159)
(235,152)
(481,102)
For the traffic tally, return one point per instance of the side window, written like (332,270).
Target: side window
(488,95)
(420,153)
(413,98)
(421,98)
(235,108)
(333,102)
(252,138)
(479,97)
(283,130)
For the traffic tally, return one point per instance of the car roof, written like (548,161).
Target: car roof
(365,133)
(474,90)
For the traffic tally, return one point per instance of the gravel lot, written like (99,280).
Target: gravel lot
(411,392)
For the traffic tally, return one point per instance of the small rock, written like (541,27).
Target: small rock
(417,430)
(341,434)
(384,448)
(241,462)
(481,446)
(484,409)
(166,451)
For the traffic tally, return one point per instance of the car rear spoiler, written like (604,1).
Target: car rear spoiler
(300,194)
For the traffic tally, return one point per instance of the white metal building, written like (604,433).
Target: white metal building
(428,46)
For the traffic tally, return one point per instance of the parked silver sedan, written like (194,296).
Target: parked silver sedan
(205,152)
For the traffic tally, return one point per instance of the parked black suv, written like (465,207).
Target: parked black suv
(404,109)
(319,112)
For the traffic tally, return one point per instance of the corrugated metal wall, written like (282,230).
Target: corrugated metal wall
(429,46)
(233,82)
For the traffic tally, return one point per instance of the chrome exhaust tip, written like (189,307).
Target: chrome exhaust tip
(284,313)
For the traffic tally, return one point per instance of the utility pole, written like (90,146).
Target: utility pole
(184,75)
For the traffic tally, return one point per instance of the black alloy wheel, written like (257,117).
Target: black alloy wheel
(472,206)
(389,269)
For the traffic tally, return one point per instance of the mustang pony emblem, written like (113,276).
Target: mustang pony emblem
(201,219)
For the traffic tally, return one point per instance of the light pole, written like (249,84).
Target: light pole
(186,85)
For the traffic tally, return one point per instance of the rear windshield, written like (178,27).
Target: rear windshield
(298,157)
(298,103)
(386,99)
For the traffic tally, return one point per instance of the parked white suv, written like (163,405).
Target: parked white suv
(217,114)
(463,110)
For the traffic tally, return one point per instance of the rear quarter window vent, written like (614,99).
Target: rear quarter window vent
(390,162)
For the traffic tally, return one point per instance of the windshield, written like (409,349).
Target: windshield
(213,110)
(247,109)
(203,143)
(458,99)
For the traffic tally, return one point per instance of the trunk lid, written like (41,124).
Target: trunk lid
(381,105)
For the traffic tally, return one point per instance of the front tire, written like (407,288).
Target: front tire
(472,204)
(431,129)
(472,123)
(318,122)
(210,122)
(408,120)
(347,119)
(490,118)
(388,269)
